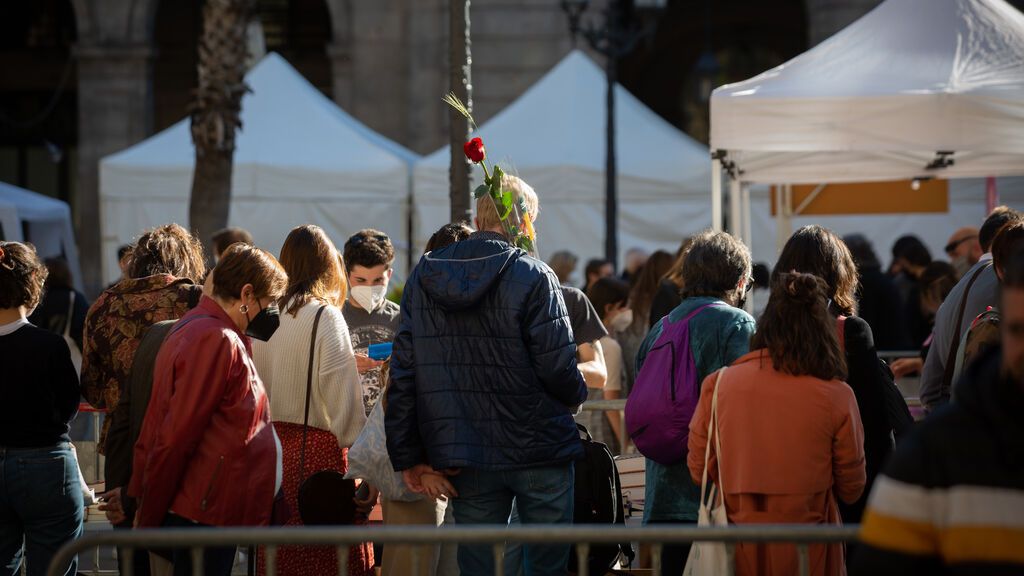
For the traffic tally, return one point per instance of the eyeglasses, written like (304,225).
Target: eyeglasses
(750,286)
(956,243)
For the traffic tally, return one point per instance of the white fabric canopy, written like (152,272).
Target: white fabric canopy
(46,223)
(553,136)
(299,160)
(878,100)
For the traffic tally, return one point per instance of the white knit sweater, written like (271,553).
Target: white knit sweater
(282,363)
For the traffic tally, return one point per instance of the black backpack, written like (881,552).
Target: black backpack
(597,499)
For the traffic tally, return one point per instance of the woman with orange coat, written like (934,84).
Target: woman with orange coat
(791,437)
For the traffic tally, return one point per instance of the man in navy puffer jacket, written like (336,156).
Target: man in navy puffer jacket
(484,380)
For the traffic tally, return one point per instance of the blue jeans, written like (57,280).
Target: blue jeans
(543,495)
(41,507)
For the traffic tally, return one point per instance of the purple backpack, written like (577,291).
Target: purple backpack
(665,394)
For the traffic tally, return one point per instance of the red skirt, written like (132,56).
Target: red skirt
(322,453)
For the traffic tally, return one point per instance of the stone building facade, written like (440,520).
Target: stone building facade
(384,61)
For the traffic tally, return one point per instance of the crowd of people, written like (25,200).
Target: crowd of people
(229,388)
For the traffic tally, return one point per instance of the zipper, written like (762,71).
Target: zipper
(213,481)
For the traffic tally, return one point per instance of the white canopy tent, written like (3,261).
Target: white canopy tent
(914,89)
(44,221)
(553,137)
(299,160)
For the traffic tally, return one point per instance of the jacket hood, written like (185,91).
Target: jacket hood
(995,398)
(458,276)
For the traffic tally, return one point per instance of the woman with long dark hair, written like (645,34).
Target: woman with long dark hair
(316,288)
(670,287)
(819,251)
(787,441)
(641,297)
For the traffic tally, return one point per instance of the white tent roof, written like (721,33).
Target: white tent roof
(553,136)
(878,100)
(47,222)
(299,159)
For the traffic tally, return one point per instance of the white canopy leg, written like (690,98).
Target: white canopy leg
(784,222)
(716,195)
(748,235)
(735,209)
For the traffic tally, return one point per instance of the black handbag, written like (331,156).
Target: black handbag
(325,497)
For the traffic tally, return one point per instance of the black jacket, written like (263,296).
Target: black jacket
(881,306)
(865,377)
(949,501)
(126,419)
(483,371)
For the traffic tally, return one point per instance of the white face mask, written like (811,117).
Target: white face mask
(622,321)
(369,297)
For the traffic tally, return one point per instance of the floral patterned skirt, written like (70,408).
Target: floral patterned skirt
(322,453)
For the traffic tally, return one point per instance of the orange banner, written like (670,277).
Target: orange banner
(897,197)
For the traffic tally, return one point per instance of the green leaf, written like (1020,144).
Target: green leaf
(480,191)
(506,204)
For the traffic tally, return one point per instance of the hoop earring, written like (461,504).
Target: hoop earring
(244,309)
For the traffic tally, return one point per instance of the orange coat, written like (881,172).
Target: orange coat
(790,446)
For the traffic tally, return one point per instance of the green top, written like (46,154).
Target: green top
(718,336)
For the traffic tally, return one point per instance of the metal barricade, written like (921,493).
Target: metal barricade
(197,539)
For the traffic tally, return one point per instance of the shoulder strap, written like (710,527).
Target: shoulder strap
(841,331)
(665,323)
(954,345)
(71,312)
(309,387)
(713,431)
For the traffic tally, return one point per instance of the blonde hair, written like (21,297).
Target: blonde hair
(487,215)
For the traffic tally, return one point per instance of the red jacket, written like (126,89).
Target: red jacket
(207,448)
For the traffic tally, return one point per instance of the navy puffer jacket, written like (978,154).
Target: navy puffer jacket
(483,371)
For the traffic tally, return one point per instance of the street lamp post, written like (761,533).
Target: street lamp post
(461,84)
(615,38)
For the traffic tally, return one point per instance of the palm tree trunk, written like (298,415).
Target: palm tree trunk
(216,111)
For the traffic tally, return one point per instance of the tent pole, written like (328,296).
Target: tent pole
(748,235)
(716,195)
(784,224)
(735,217)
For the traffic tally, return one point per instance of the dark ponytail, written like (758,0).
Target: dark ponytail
(797,329)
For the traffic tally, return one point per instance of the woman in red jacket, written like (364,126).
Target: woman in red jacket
(207,454)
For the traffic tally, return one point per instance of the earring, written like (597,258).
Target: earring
(244,309)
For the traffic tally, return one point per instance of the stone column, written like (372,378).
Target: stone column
(114,112)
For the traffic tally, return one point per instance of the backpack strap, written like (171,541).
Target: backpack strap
(954,346)
(665,323)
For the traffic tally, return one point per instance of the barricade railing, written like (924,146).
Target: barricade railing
(582,536)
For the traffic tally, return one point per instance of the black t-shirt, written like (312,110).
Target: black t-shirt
(586,324)
(40,390)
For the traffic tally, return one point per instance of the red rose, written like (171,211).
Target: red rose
(474,150)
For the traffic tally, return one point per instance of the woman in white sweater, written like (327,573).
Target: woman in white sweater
(316,280)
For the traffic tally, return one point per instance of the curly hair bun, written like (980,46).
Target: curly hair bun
(802,288)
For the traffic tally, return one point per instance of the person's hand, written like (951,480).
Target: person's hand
(436,485)
(364,363)
(904,366)
(411,477)
(365,506)
(112,506)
